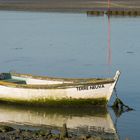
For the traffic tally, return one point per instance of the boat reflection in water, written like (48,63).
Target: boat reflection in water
(93,121)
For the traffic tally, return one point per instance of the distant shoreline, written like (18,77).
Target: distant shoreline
(68,5)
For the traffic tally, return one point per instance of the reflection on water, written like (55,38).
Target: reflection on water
(87,120)
(109,43)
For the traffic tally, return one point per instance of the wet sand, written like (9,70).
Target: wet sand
(68,5)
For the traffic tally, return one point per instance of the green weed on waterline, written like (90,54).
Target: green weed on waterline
(57,102)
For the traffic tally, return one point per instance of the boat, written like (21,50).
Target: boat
(98,122)
(41,90)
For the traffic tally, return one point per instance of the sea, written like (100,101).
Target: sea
(77,45)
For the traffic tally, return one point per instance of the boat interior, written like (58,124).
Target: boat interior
(47,82)
(6,77)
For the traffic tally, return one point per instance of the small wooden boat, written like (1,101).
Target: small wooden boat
(37,90)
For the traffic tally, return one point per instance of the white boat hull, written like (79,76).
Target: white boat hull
(102,91)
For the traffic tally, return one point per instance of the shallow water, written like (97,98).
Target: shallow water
(76,45)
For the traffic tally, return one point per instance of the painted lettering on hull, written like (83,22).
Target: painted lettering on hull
(92,87)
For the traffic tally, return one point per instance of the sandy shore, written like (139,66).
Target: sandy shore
(68,5)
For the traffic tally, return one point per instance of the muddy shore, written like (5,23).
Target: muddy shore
(68,5)
(28,132)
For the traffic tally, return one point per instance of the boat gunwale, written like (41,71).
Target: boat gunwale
(55,78)
(56,86)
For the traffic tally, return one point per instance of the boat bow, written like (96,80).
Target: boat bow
(116,77)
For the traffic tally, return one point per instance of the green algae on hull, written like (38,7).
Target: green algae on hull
(58,102)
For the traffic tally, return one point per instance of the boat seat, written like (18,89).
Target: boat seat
(15,81)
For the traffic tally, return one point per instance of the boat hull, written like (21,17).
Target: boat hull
(93,94)
(62,94)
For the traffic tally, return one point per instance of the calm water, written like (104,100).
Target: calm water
(74,45)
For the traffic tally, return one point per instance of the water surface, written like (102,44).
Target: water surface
(76,45)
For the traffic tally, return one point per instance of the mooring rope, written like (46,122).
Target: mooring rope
(119,104)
